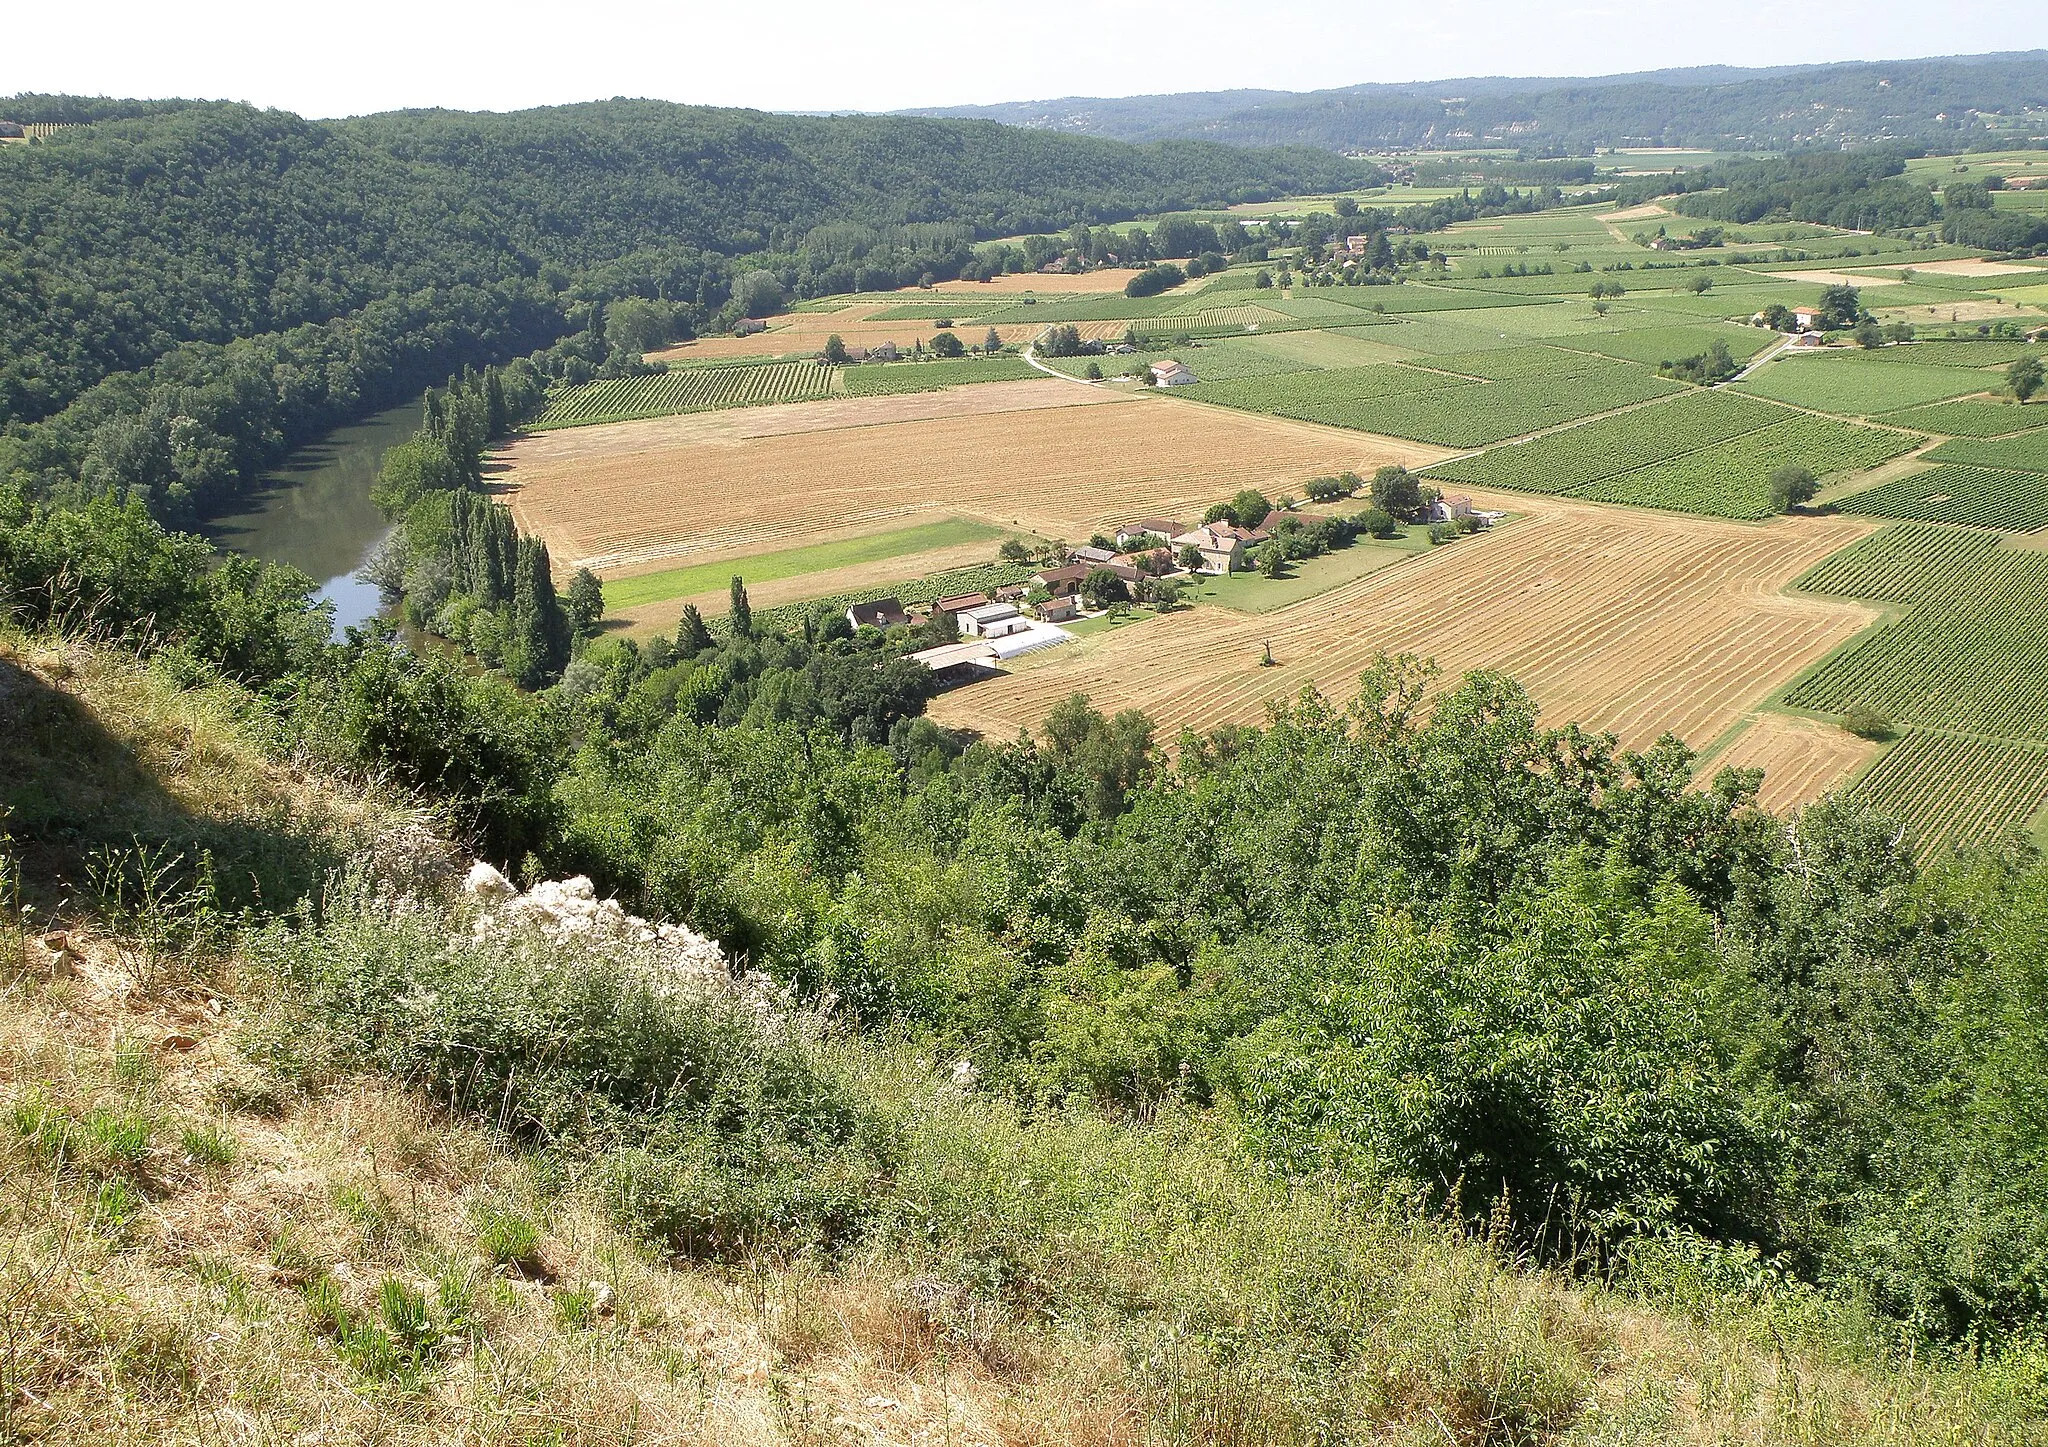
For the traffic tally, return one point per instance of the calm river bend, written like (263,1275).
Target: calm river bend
(315,513)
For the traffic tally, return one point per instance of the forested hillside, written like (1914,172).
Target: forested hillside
(1723,107)
(263,277)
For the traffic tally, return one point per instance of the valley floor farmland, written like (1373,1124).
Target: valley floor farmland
(1044,457)
(1615,618)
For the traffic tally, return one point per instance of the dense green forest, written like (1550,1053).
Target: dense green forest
(1940,101)
(186,290)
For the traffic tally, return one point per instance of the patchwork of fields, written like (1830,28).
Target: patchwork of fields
(1637,586)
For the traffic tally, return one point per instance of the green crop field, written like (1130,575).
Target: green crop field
(1463,417)
(1855,384)
(1970,496)
(1939,353)
(898,377)
(686,389)
(1651,345)
(1970,418)
(1566,461)
(1958,789)
(682,582)
(1901,564)
(2028,451)
(1971,652)
(1416,297)
(1733,478)
(1299,394)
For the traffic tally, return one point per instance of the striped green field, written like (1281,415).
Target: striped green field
(1969,655)
(2028,451)
(1970,418)
(1733,478)
(1956,788)
(685,389)
(1576,457)
(1981,497)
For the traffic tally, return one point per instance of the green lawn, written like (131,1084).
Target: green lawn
(794,562)
(1250,593)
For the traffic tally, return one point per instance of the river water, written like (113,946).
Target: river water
(315,512)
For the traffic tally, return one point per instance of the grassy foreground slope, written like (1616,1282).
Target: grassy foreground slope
(250,1195)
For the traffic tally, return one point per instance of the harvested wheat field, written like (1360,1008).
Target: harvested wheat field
(1632,622)
(1975,266)
(1051,458)
(1094,283)
(1802,758)
(805,332)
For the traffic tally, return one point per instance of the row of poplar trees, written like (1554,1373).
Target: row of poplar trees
(487,557)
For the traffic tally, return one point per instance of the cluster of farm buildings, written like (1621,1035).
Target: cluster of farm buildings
(1024,617)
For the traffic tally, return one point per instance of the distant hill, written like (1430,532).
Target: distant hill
(1956,100)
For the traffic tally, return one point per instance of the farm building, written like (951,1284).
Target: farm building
(1806,318)
(1129,533)
(956,662)
(1062,582)
(960,602)
(882,352)
(1171,374)
(882,613)
(1093,555)
(1059,610)
(993,620)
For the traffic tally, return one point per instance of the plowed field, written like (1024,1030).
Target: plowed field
(1045,457)
(1620,620)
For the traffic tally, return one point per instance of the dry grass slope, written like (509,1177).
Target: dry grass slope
(197,1248)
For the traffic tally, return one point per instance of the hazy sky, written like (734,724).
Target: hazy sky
(368,55)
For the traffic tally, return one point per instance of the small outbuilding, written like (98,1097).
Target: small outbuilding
(882,613)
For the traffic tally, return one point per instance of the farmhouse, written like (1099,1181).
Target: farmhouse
(1062,582)
(993,620)
(882,613)
(1806,318)
(1059,610)
(1171,374)
(1220,544)
(882,352)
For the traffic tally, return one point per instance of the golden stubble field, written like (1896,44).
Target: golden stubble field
(1628,621)
(1058,459)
